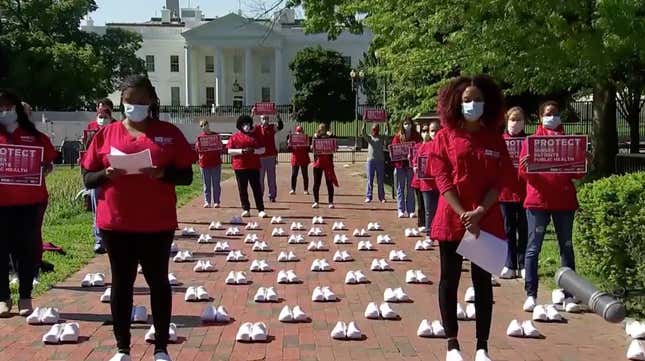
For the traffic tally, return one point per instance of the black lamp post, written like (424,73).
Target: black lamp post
(357,80)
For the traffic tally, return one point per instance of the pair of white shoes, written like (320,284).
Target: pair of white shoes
(338,226)
(469,296)
(139,314)
(508,273)
(204,266)
(106,297)
(395,295)
(360,233)
(295,314)
(172,279)
(455,355)
(315,231)
(365,246)
(317,246)
(546,313)
(380,265)
(235,256)
(198,293)
(469,314)
(288,276)
(635,329)
(384,239)
(43,316)
(260,266)
(252,226)
(297,226)
(204,238)
(342,256)
(233,231)
(236,278)
(318,220)
(320,265)
(349,331)
(251,238)
(222,247)
(189,232)
(341,239)
(261,214)
(636,350)
(431,329)
(276,220)
(267,294)
(355,277)
(398,256)
(93,280)
(296,239)
(373,226)
(172,334)
(62,332)
(425,245)
(260,246)
(323,294)
(215,226)
(278,232)
(213,314)
(411,232)
(252,332)
(183,256)
(525,329)
(415,276)
(569,305)
(287,257)
(383,311)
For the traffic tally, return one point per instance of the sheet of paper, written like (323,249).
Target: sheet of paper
(487,251)
(131,163)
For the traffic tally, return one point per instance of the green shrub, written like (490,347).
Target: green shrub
(610,234)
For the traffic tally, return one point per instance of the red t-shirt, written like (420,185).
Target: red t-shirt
(425,184)
(208,159)
(138,203)
(241,140)
(266,136)
(20,195)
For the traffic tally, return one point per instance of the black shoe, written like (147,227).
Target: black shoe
(98,249)
(272,200)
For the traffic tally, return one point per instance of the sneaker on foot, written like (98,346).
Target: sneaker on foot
(368,200)
(529,304)
(292,192)
(331,206)
(507,273)
(120,357)
(25,307)
(207,205)
(482,355)
(315,205)
(262,214)
(401,214)
(5,308)
(306,193)
(454,355)
(246,214)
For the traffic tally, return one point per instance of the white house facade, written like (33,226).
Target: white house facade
(230,60)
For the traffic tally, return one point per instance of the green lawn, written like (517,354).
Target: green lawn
(69,226)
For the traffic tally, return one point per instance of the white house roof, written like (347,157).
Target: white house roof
(233,30)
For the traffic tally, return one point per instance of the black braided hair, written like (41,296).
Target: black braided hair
(142,82)
(8,97)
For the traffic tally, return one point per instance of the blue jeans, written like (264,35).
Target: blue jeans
(430,201)
(267,170)
(210,179)
(404,191)
(538,221)
(377,167)
(98,238)
(516,233)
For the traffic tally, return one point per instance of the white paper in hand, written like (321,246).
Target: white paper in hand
(131,163)
(487,251)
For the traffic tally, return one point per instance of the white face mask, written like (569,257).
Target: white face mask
(515,128)
(136,112)
(246,128)
(9,118)
(472,110)
(263,120)
(551,121)
(101,121)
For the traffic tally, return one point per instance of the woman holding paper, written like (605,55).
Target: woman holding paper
(22,201)
(548,196)
(136,208)
(424,185)
(324,165)
(469,162)
(246,150)
(299,160)
(402,170)
(375,162)
(210,162)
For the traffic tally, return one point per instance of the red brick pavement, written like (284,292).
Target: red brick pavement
(584,337)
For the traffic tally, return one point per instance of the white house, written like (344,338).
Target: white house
(192,60)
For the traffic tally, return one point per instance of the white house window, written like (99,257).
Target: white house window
(347,60)
(210,95)
(174,63)
(150,63)
(237,64)
(266,94)
(210,64)
(174,96)
(265,65)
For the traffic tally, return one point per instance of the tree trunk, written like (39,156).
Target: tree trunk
(634,132)
(604,138)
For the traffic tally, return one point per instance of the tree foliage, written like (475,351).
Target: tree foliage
(323,86)
(52,62)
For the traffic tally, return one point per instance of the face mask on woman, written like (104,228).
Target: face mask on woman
(136,112)
(247,128)
(551,121)
(472,110)
(8,117)
(426,136)
(515,128)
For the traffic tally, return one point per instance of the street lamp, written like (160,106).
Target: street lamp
(357,80)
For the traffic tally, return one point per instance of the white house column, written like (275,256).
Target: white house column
(279,76)
(249,86)
(220,97)
(187,75)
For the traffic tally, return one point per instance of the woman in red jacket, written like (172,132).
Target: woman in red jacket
(426,189)
(510,200)
(548,196)
(210,162)
(324,166)
(469,162)
(21,203)
(299,161)
(403,171)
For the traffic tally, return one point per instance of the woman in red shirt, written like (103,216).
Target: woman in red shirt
(21,201)
(136,210)
(210,162)
(426,189)
(324,166)
(246,149)
(469,162)
(402,170)
(299,161)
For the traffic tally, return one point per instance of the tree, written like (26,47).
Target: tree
(540,47)
(52,62)
(323,86)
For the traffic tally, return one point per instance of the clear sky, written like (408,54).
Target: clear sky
(143,10)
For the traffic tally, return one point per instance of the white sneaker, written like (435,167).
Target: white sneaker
(48,316)
(507,273)
(292,192)
(328,294)
(514,329)
(331,206)
(52,336)
(282,257)
(529,330)
(636,350)
(375,265)
(291,277)
(35,316)
(259,246)
(482,355)
(529,304)
(523,273)
(262,214)
(389,295)
(285,315)
(454,355)
(260,295)
(259,332)
(317,295)
(469,297)
(298,314)
(246,214)
(215,226)
(393,256)
(552,314)
(174,248)
(209,314)
(470,311)
(121,357)
(202,294)
(341,239)
(191,294)
(387,312)
(571,306)
(421,277)
(162,356)
(296,239)
(276,220)
(172,279)
(315,265)
(635,329)
(244,332)
(338,226)
(207,266)
(557,296)
(401,214)
(271,295)
(346,257)
(221,315)
(461,314)
(240,278)
(251,226)
(410,276)
(204,238)
(360,277)
(282,277)
(353,332)
(350,278)
(437,329)
(230,278)
(315,205)
(413,215)
(383,265)
(383,239)
(291,257)
(371,311)
(424,329)
(339,332)
(337,256)
(401,296)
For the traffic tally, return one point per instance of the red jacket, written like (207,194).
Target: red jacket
(265,134)
(515,190)
(397,139)
(424,185)
(300,156)
(549,191)
(471,164)
(208,159)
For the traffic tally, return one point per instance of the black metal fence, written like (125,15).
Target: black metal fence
(630,163)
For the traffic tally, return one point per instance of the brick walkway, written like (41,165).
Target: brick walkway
(585,337)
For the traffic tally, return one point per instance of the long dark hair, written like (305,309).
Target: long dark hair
(142,82)
(8,97)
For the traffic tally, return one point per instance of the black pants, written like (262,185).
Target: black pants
(152,251)
(516,232)
(294,176)
(448,287)
(19,238)
(319,173)
(421,210)
(246,177)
